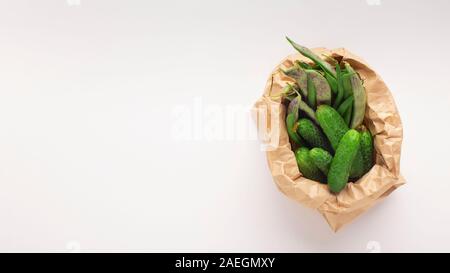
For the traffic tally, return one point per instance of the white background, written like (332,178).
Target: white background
(88,157)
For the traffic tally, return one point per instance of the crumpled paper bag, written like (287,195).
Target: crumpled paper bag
(381,118)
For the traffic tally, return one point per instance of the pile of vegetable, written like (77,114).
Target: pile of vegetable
(324,120)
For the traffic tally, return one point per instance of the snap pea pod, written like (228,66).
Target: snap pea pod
(345,106)
(359,98)
(289,71)
(304,65)
(287,89)
(347,85)
(294,106)
(297,104)
(300,77)
(290,97)
(290,122)
(291,119)
(348,115)
(289,92)
(340,87)
(332,82)
(322,88)
(311,92)
(307,110)
(311,55)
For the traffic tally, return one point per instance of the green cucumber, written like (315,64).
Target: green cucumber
(321,158)
(334,127)
(312,134)
(357,169)
(343,159)
(332,124)
(306,165)
(366,147)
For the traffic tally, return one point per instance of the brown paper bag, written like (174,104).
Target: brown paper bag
(381,118)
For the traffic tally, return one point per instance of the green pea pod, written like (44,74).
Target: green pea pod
(347,85)
(332,82)
(289,71)
(291,119)
(359,98)
(300,77)
(290,123)
(287,89)
(311,92)
(311,55)
(345,106)
(348,115)
(322,88)
(340,87)
(307,110)
(294,106)
(286,93)
(304,65)
(290,97)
